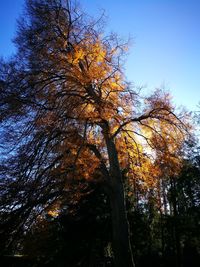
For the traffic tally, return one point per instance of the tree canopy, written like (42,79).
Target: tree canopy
(70,119)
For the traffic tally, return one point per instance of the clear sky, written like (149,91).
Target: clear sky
(165,34)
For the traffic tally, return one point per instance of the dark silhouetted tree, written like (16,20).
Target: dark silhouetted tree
(68,114)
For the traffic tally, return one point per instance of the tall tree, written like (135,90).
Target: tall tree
(74,116)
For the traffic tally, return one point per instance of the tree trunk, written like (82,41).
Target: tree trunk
(120,228)
(175,222)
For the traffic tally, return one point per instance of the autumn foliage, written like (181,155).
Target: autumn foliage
(76,121)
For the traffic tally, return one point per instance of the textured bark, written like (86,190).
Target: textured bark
(120,228)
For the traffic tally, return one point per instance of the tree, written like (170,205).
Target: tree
(83,232)
(74,117)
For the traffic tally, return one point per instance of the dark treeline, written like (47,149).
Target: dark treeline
(81,234)
(92,172)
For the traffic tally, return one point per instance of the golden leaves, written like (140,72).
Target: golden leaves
(95,92)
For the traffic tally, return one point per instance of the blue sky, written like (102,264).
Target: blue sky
(165,49)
